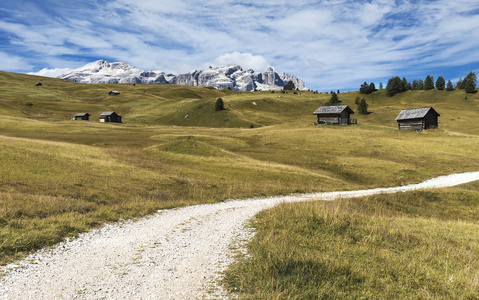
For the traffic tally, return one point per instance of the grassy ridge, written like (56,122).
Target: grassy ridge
(415,245)
(61,177)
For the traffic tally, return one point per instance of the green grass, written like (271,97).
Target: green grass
(415,245)
(60,177)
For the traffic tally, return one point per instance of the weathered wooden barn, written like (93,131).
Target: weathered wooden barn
(82,116)
(340,114)
(114,93)
(417,118)
(110,116)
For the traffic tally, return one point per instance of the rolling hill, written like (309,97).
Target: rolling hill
(60,177)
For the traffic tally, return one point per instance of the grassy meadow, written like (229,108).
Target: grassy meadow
(60,177)
(415,245)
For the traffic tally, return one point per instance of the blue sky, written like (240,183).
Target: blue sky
(330,45)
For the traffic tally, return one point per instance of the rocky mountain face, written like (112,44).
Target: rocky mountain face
(232,76)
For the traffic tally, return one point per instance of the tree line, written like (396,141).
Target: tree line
(396,85)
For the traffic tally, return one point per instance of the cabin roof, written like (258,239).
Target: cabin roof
(82,114)
(107,113)
(338,109)
(415,113)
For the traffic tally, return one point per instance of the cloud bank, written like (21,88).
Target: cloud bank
(246,60)
(331,44)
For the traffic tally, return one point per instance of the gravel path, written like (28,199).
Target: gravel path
(174,254)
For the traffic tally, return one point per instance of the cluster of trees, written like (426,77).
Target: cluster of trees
(397,85)
(367,88)
(468,83)
(289,86)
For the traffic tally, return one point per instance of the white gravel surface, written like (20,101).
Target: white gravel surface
(174,254)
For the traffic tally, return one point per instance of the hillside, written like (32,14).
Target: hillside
(61,177)
(58,100)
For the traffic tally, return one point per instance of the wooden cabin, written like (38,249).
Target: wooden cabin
(110,116)
(82,116)
(38,84)
(114,93)
(417,118)
(340,114)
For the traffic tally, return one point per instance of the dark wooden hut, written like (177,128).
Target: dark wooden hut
(110,116)
(38,84)
(114,93)
(82,116)
(340,114)
(417,118)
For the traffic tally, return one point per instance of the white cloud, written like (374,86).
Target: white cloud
(50,72)
(245,60)
(13,63)
(330,42)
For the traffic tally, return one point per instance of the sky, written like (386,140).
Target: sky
(330,45)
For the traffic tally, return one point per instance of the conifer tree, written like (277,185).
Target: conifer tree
(219,105)
(470,82)
(440,83)
(334,98)
(363,107)
(449,86)
(429,83)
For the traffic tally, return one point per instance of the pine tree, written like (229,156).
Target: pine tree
(219,105)
(440,83)
(469,86)
(363,107)
(394,86)
(334,98)
(429,83)
(470,82)
(449,86)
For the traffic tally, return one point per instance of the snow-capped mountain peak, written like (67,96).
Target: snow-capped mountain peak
(229,76)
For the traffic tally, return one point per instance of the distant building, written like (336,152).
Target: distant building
(110,116)
(417,119)
(114,93)
(38,84)
(340,114)
(82,116)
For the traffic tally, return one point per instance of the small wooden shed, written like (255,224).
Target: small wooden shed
(339,114)
(417,118)
(110,116)
(82,116)
(114,93)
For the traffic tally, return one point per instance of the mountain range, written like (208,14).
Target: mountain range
(230,76)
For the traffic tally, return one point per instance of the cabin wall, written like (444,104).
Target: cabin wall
(329,120)
(430,121)
(415,124)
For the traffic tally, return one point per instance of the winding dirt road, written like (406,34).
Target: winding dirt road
(174,254)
